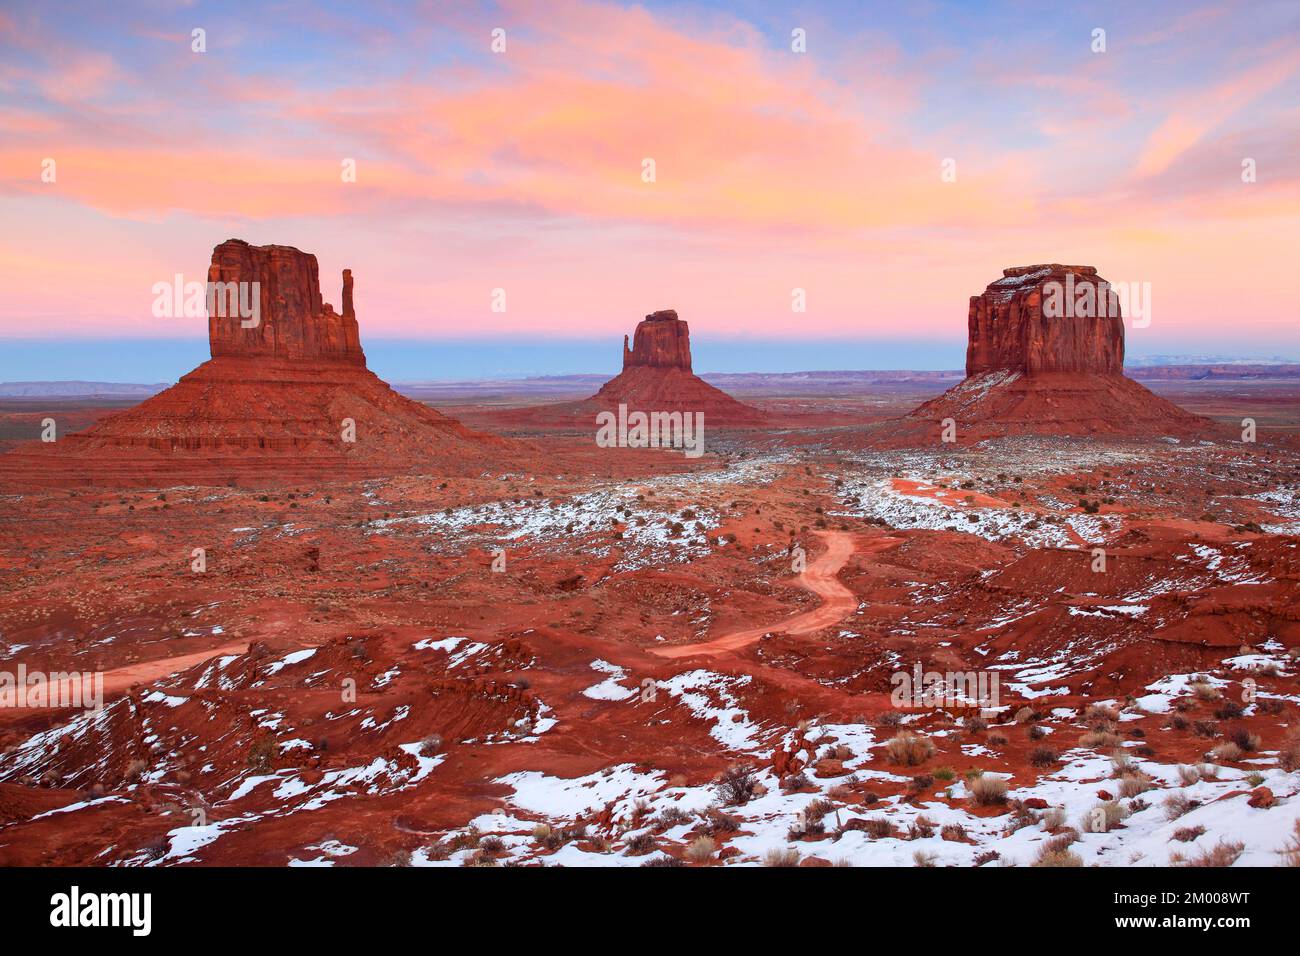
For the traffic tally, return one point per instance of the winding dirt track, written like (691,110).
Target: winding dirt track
(120,679)
(819,577)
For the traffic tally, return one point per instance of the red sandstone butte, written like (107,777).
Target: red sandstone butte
(273,402)
(294,322)
(1030,371)
(657,376)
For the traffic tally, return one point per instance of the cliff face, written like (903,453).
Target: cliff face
(661,341)
(292,322)
(1012,326)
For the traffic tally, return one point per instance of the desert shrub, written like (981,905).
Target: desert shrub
(976,725)
(997,738)
(890,718)
(922,828)
(987,856)
(1288,754)
(1178,803)
(1223,853)
(988,790)
(953,832)
(1134,783)
(925,858)
(1226,752)
(1188,834)
(878,828)
(1099,740)
(1056,852)
(1244,739)
(1104,816)
(716,823)
(781,857)
(1043,757)
(492,846)
(671,817)
(1053,818)
(1228,710)
(1202,690)
(794,782)
(1291,849)
(641,843)
(1036,732)
(663,860)
(736,785)
(1206,728)
(1100,714)
(430,745)
(701,849)
(909,749)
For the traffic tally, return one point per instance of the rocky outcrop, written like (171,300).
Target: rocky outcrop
(285,396)
(657,376)
(661,340)
(1045,356)
(291,321)
(1046,318)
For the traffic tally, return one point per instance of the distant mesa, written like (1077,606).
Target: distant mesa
(657,376)
(1045,356)
(280,398)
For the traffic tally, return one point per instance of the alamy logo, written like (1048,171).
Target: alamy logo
(684,430)
(197,300)
(60,689)
(920,689)
(75,908)
(1098,300)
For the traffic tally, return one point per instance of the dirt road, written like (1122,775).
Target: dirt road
(819,577)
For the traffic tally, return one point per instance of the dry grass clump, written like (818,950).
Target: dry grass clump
(925,858)
(1223,853)
(1053,818)
(996,739)
(1132,784)
(909,749)
(1099,740)
(1291,850)
(1244,739)
(1204,691)
(1104,817)
(1188,834)
(1057,852)
(988,790)
(1226,752)
(1188,775)
(701,850)
(778,856)
(1177,804)
(1100,713)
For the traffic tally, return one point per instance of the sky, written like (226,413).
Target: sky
(888,160)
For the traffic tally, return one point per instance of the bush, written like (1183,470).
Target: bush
(1244,739)
(1056,852)
(909,749)
(701,850)
(1188,834)
(736,785)
(1104,816)
(1130,785)
(781,857)
(1177,804)
(1288,754)
(1043,757)
(988,790)
(1223,853)
(1226,752)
